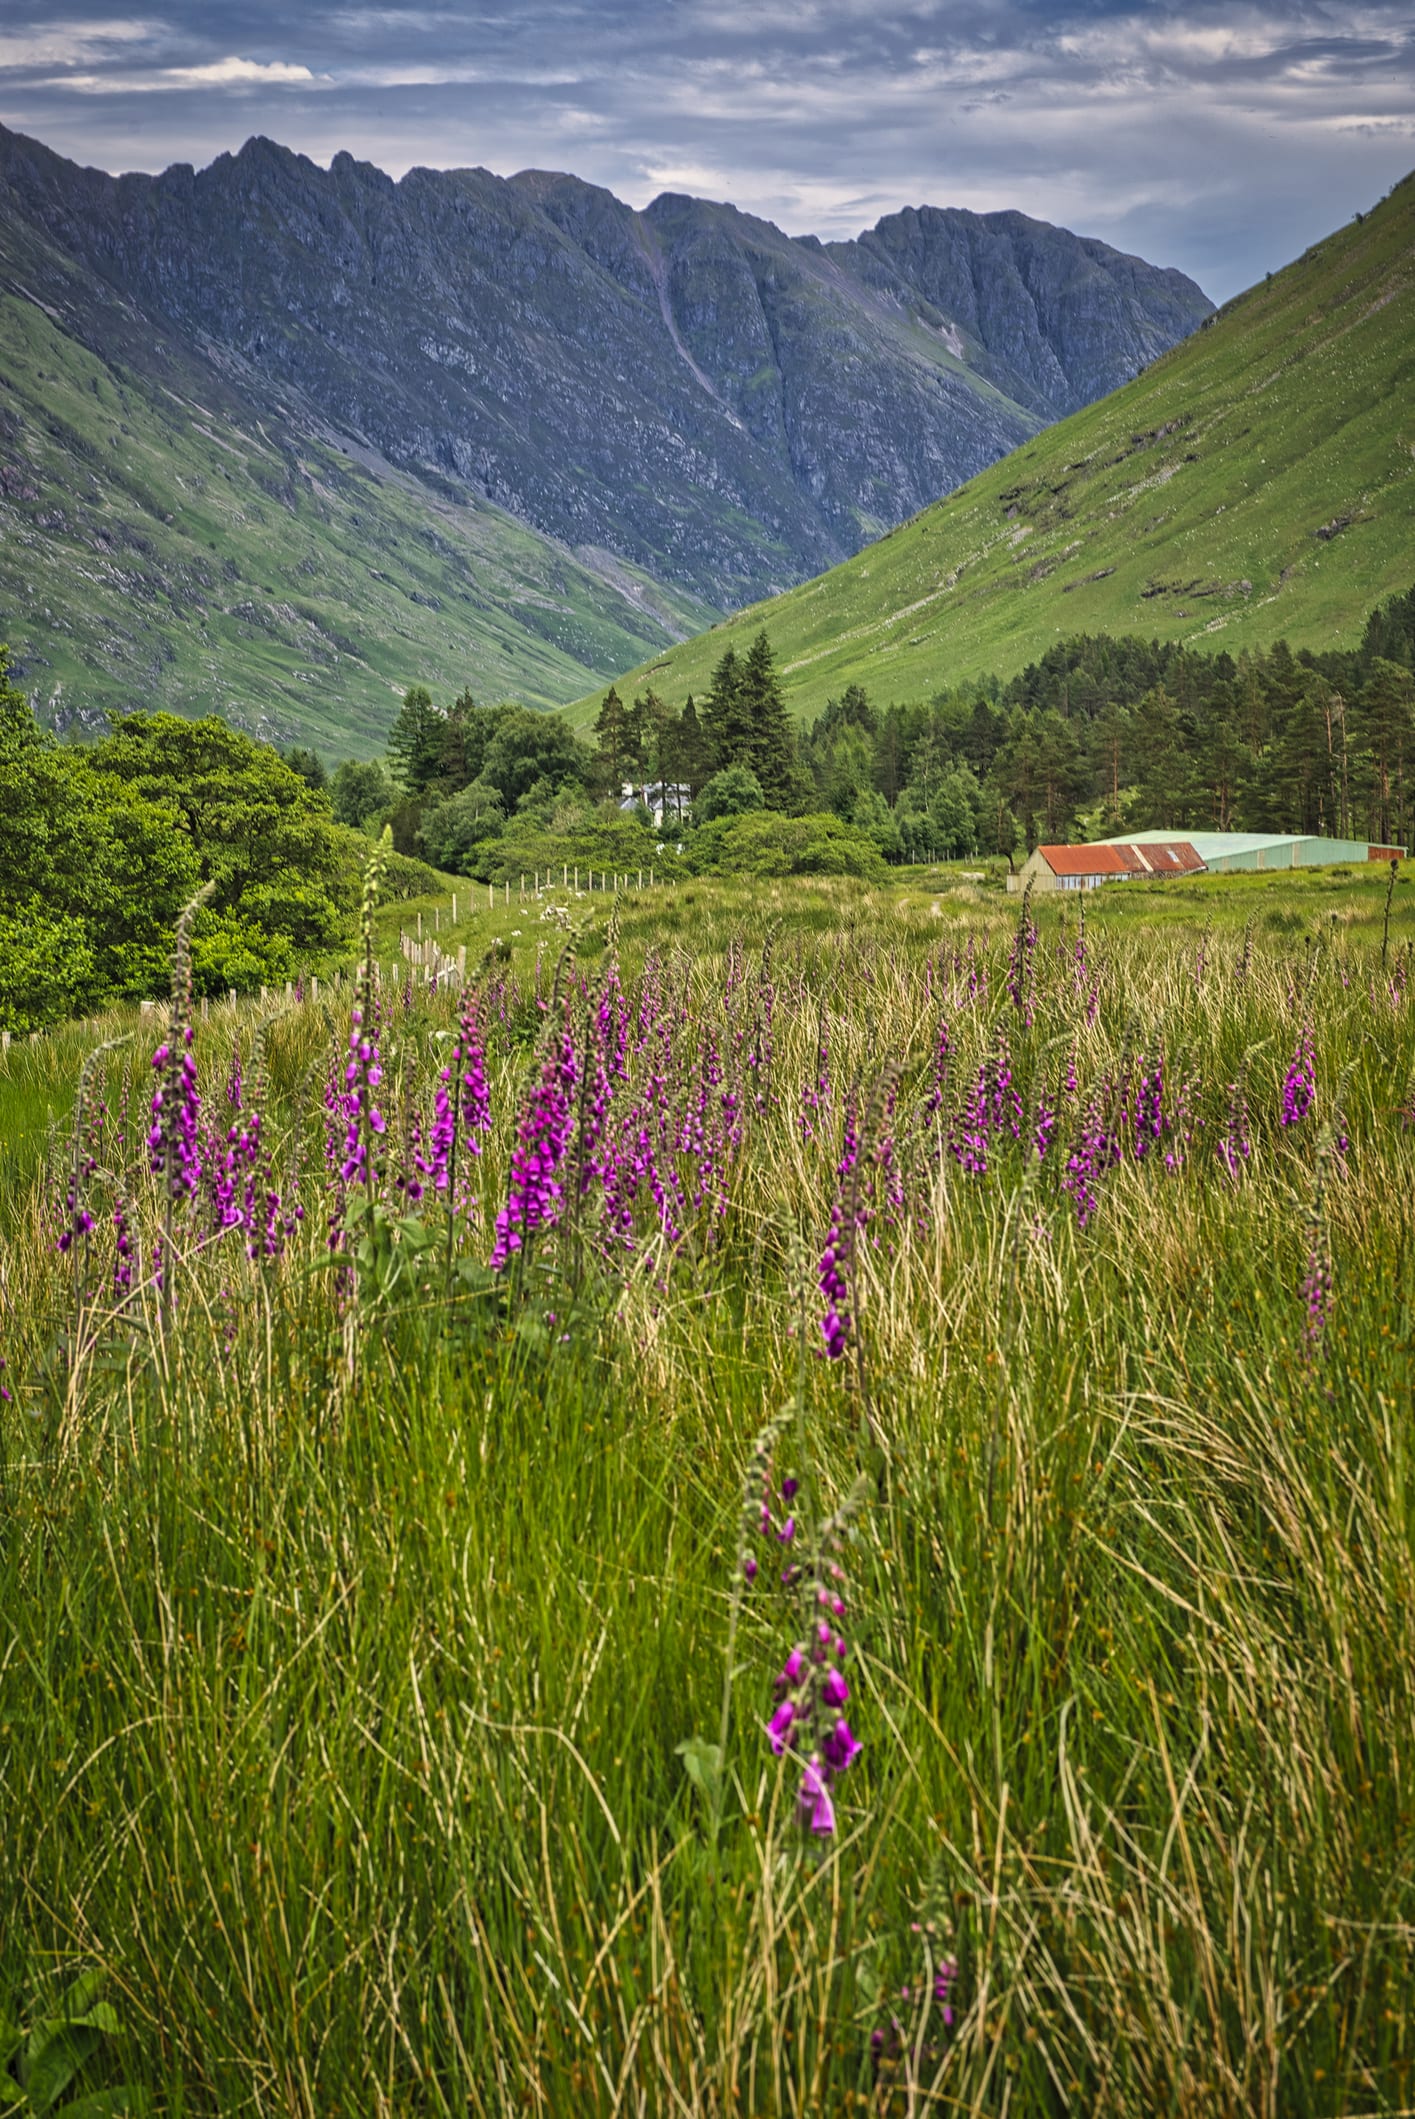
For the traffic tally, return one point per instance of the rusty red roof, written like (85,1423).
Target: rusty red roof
(1167,857)
(1170,857)
(1132,861)
(1087,860)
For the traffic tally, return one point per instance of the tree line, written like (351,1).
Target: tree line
(1100,735)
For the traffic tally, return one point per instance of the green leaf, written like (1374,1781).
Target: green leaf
(56,2053)
(84,2004)
(702,1763)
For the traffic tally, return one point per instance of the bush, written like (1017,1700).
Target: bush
(230,952)
(765,843)
(452,832)
(602,840)
(733,792)
(46,968)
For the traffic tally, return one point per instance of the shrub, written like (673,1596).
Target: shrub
(733,792)
(766,843)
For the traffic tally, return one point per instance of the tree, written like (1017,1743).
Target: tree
(953,811)
(929,761)
(529,747)
(725,719)
(309,765)
(1164,773)
(360,792)
(415,740)
(871,814)
(656,729)
(1386,724)
(767,843)
(615,742)
(730,793)
(845,771)
(466,733)
(693,752)
(266,842)
(453,831)
(1111,750)
(100,848)
(771,744)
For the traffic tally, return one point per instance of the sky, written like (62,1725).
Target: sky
(1221,139)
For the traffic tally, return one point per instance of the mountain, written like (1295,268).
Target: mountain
(1255,483)
(178,530)
(719,406)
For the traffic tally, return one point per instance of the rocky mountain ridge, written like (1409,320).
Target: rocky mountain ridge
(686,389)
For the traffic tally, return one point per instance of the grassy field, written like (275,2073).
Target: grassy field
(1254,484)
(383,1699)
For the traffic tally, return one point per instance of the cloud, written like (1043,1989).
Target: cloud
(66,43)
(216,73)
(1223,138)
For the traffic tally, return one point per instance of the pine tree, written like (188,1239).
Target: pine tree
(726,722)
(1387,727)
(415,742)
(772,743)
(692,752)
(614,735)
(656,731)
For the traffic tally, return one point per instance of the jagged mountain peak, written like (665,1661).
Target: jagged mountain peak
(687,389)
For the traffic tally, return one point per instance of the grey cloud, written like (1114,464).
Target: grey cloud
(1220,139)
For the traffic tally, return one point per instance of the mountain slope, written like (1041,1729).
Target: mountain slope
(1255,483)
(717,404)
(175,531)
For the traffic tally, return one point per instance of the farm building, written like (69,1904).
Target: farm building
(1220,851)
(1117,861)
(1144,855)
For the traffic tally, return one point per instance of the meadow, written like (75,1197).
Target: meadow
(796,1500)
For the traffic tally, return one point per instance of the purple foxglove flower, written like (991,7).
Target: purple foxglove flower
(816,1807)
(841,1747)
(778,1729)
(534,1193)
(1300,1086)
(834,1690)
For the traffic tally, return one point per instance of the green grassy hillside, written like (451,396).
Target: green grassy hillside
(174,535)
(1256,483)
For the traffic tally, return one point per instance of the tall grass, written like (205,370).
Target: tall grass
(350,1625)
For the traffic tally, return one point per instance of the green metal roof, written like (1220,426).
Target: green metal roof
(1212,845)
